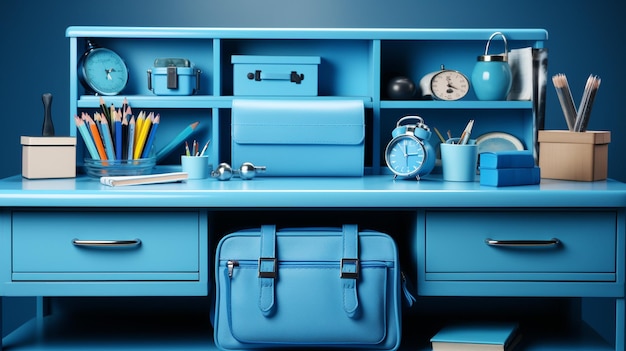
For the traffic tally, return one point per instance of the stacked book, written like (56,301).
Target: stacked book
(508,168)
(479,336)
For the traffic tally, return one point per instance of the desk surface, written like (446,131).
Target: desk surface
(350,192)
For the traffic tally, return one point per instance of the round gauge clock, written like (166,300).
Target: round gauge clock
(445,84)
(409,154)
(102,71)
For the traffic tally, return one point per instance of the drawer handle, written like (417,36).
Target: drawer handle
(107,243)
(519,243)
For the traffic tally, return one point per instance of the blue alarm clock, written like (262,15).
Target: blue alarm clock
(409,154)
(102,71)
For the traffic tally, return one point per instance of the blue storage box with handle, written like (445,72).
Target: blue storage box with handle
(275,75)
(299,137)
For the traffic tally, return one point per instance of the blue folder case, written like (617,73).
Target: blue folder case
(299,137)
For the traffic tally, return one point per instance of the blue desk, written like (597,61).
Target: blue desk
(441,228)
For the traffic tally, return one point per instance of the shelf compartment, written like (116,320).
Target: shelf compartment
(195,334)
(346,67)
(139,55)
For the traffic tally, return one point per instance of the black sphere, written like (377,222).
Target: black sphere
(401,88)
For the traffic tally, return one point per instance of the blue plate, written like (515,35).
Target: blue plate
(498,141)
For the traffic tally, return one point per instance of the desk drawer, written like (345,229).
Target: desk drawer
(457,248)
(142,245)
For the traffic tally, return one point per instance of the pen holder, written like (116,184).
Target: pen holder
(581,156)
(115,168)
(459,162)
(196,167)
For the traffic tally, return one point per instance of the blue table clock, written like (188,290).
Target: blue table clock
(409,154)
(102,70)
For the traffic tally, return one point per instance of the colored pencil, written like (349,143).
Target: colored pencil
(118,135)
(111,120)
(103,107)
(138,126)
(95,133)
(108,142)
(151,136)
(82,129)
(125,137)
(131,137)
(143,135)
(185,133)
(125,106)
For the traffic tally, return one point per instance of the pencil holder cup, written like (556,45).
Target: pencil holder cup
(196,167)
(492,77)
(459,162)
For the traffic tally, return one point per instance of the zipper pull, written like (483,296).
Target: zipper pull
(409,299)
(231,264)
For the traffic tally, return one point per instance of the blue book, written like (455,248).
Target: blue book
(507,159)
(510,176)
(476,336)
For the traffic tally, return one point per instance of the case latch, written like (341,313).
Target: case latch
(172,78)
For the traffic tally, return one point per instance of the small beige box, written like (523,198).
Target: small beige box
(574,156)
(48,157)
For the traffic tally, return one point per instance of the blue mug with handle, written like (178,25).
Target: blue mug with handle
(492,77)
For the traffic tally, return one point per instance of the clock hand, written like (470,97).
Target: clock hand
(108,71)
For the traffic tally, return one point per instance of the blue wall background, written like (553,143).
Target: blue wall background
(584,38)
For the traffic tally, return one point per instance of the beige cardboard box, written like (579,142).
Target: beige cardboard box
(574,156)
(48,157)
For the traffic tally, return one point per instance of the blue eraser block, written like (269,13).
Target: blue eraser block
(507,159)
(510,176)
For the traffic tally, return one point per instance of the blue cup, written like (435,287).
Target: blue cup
(459,162)
(196,167)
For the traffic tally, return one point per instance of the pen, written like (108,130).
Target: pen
(205,147)
(439,135)
(466,132)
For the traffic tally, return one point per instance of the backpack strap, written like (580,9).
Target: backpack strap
(349,269)
(268,269)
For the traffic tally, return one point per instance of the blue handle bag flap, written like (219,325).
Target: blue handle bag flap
(300,137)
(308,287)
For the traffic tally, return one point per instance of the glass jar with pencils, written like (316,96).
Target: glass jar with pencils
(119,144)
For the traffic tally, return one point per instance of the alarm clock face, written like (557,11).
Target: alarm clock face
(405,156)
(104,71)
(449,85)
